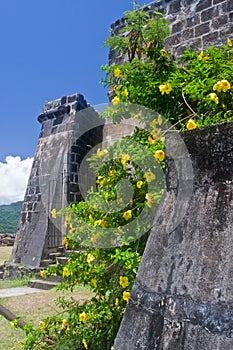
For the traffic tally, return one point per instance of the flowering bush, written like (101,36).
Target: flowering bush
(193,90)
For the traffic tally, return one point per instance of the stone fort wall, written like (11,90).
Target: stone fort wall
(194,23)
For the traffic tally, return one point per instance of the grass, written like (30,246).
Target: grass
(33,308)
(14,283)
(5,253)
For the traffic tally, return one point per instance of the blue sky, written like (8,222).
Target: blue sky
(49,48)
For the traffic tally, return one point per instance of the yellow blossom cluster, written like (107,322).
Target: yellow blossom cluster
(124,159)
(102,152)
(159,155)
(165,88)
(149,176)
(54,213)
(127,215)
(123,281)
(139,184)
(43,273)
(66,272)
(90,258)
(66,242)
(191,124)
(117,72)
(115,100)
(126,295)
(84,343)
(150,199)
(83,317)
(222,85)
(214,97)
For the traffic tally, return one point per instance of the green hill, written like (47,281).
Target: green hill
(9,217)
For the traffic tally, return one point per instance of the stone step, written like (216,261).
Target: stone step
(62,260)
(42,284)
(61,249)
(68,252)
(53,256)
(46,262)
(52,278)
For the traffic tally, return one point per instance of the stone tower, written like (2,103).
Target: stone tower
(53,181)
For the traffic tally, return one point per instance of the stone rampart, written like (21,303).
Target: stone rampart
(194,23)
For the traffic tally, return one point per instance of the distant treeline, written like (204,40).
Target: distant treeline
(9,217)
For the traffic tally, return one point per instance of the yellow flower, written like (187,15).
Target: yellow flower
(12,324)
(101,180)
(66,242)
(97,223)
(42,324)
(43,273)
(66,272)
(116,302)
(152,139)
(149,176)
(101,153)
(64,323)
(20,344)
(229,42)
(136,116)
(214,97)
(68,218)
(126,295)
(165,88)
(222,85)
(117,72)
(150,199)
(83,317)
(84,344)
(123,281)
(94,282)
(54,213)
(139,184)
(127,215)
(90,258)
(115,100)
(159,155)
(124,159)
(191,124)
(200,56)
(116,88)
(125,93)
(13,348)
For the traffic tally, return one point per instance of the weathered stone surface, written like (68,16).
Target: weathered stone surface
(182,297)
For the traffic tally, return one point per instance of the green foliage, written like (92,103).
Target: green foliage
(197,85)
(9,217)
(142,29)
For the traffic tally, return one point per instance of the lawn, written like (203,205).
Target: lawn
(32,308)
(5,253)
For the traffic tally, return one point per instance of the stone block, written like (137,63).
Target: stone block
(177,27)
(209,14)
(202,29)
(175,6)
(219,21)
(203,4)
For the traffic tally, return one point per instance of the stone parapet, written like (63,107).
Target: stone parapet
(193,23)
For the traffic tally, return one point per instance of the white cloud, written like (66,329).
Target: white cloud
(14,174)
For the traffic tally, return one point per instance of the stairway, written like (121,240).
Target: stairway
(54,258)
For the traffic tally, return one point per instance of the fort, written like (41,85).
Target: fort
(197,24)
(182,296)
